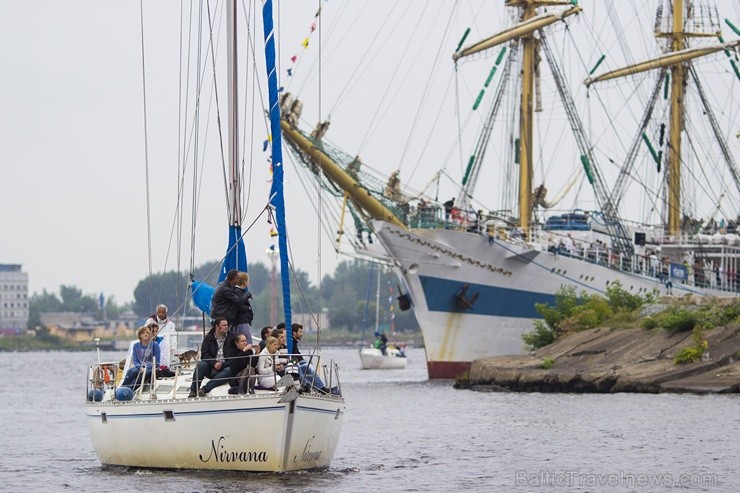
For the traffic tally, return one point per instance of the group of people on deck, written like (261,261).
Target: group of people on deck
(228,354)
(231,358)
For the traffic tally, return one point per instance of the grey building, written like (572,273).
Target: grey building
(13,298)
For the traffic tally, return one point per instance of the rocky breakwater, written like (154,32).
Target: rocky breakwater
(617,360)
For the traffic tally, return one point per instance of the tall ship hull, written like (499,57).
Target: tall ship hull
(474,295)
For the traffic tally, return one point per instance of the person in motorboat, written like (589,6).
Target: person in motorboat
(213,363)
(266,364)
(145,352)
(242,356)
(244,313)
(309,378)
(381,342)
(227,298)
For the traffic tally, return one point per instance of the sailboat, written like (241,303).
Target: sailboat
(474,274)
(380,355)
(290,427)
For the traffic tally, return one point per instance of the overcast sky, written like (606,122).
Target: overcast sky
(72,158)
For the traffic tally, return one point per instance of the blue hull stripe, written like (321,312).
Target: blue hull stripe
(493,301)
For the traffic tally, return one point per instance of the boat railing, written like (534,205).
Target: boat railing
(311,374)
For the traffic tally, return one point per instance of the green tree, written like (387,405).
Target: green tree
(41,303)
(74,301)
(169,288)
(113,310)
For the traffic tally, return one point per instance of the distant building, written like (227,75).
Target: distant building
(13,298)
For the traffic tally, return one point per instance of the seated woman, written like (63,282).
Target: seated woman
(243,362)
(144,353)
(266,364)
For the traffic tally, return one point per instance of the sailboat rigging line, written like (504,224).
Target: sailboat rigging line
(218,113)
(251,43)
(705,184)
(354,77)
(425,92)
(317,181)
(304,171)
(293,273)
(430,135)
(715,127)
(629,162)
(178,222)
(267,208)
(381,106)
(146,153)
(196,136)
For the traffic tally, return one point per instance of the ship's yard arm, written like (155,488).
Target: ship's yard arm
(357,193)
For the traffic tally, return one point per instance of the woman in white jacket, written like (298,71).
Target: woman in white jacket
(266,364)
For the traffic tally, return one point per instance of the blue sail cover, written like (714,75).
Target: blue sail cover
(202,294)
(236,258)
(278,200)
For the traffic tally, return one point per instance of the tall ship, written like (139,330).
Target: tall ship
(474,267)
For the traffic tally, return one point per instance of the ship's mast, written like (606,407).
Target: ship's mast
(530,22)
(677,99)
(526,117)
(677,59)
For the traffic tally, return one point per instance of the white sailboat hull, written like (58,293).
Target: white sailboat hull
(504,282)
(244,433)
(374,359)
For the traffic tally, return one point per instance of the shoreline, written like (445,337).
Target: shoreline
(606,360)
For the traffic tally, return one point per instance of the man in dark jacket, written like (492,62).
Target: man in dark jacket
(227,299)
(309,378)
(213,363)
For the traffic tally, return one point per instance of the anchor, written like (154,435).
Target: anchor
(404,300)
(463,301)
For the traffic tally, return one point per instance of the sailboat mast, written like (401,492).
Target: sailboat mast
(525,120)
(677,98)
(233,116)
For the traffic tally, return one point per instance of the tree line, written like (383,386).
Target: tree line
(348,297)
